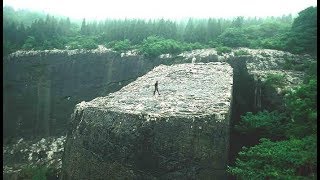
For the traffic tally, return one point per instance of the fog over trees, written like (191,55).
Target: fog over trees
(29,30)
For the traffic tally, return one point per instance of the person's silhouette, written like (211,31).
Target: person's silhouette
(156,88)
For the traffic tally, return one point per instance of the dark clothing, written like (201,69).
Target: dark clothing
(156,88)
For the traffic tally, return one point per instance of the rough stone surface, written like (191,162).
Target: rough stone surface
(193,89)
(41,88)
(181,133)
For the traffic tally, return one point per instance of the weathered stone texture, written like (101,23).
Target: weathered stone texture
(41,88)
(181,133)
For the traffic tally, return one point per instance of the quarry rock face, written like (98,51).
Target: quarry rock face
(183,133)
(41,88)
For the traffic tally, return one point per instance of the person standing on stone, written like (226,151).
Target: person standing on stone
(156,88)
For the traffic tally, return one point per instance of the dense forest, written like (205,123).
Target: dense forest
(284,137)
(28,30)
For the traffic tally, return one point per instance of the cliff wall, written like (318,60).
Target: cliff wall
(42,87)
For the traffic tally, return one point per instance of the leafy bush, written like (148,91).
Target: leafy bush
(289,159)
(302,65)
(263,124)
(233,37)
(214,44)
(275,80)
(301,103)
(154,46)
(73,45)
(82,42)
(30,43)
(121,46)
(223,49)
(89,44)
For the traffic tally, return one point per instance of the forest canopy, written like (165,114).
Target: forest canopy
(25,30)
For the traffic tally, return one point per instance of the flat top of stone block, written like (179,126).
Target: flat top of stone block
(185,90)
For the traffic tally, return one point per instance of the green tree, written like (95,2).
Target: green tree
(30,43)
(303,36)
(189,32)
(122,46)
(238,22)
(233,37)
(301,103)
(84,29)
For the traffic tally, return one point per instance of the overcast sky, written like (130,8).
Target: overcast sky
(168,9)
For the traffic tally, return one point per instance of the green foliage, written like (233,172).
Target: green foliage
(303,34)
(89,44)
(301,103)
(82,42)
(30,43)
(223,49)
(263,124)
(154,46)
(275,80)
(289,159)
(241,53)
(270,35)
(51,32)
(233,37)
(73,45)
(311,70)
(295,156)
(306,65)
(214,44)
(122,46)
(25,16)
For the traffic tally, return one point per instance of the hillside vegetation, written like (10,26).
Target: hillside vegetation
(28,30)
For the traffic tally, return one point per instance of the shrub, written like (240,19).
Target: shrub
(154,46)
(223,49)
(275,80)
(89,44)
(241,53)
(233,37)
(121,46)
(214,44)
(289,159)
(264,123)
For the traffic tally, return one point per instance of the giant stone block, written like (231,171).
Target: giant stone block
(183,133)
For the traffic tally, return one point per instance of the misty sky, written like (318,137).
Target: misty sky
(168,9)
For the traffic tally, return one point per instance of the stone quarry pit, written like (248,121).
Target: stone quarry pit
(183,133)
